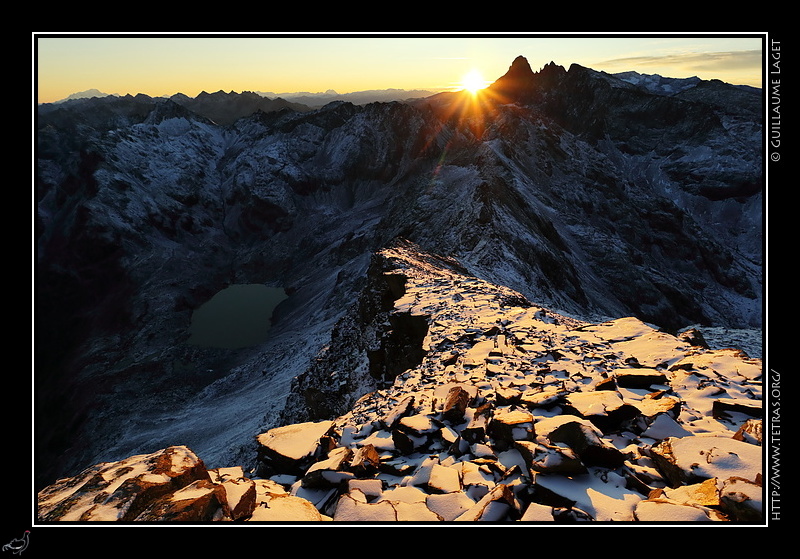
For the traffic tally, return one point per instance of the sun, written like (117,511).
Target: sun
(473,81)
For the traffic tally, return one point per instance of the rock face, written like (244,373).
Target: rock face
(578,190)
(127,490)
(513,413)
(171,485)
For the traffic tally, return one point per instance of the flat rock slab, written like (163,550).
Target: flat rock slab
(696,458)
(286,447)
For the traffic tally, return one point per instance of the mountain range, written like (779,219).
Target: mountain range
(596,196)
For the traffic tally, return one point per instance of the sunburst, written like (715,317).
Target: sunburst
(473,81)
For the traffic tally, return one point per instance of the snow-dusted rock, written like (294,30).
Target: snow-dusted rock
(750,431)
(350,508)
(444,479)
(546,458)
(465,439)
(197,502)
(330,471)
(238,498)
(122,490)
(582,437)
(665,511)
(449,506)
(689,459)
(495,505)
(742,499)
(286,508)
(286,449)
(577,189)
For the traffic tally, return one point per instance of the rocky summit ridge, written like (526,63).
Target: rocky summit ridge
(577,191)
(504,412)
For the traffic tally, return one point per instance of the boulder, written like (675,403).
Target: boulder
(554,459)
(199,501)
(403,408)
(604,408)
(329,472)
(476,429)
(366,461)
(693,337)
(664,425)
(542,397)
(121,490)
(455,404)
(477,475)
(750,432)
(354,508)
(535,512)
(371,488)
(509,426)
(238,497)
(687,460)
(639,377)
(286,508)
(742,499)
(449,506)
(704,494)
(657,403)
(444,479)
(291,448)
(418,425)
(724,407)
(404,494)
(404,443)
(729,363)
(583,438)
(268,488)
(415,512)
(218,475)
(507,396)
(496,505)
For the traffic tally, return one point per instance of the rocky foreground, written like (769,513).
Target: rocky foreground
(511,413)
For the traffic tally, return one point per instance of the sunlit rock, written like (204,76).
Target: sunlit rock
(742,499)
(286,508)
(696,458)
(288,449)
(121,490)
(197,502)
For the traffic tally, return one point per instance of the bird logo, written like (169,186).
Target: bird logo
(18,545)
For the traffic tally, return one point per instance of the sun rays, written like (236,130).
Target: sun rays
(473,81)
(473,102)
(469,106)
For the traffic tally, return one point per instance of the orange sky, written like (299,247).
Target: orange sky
(165,65)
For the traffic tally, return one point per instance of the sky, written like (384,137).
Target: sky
(165,64)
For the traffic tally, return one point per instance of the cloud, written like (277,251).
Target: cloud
(695,61)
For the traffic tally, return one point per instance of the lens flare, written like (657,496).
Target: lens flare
(473,81)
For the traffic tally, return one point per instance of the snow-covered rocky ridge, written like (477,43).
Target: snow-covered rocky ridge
(512,413)
(580,191)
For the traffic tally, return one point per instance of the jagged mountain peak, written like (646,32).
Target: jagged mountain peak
(588,199)
(519,77)
(520,67)
(520,81)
